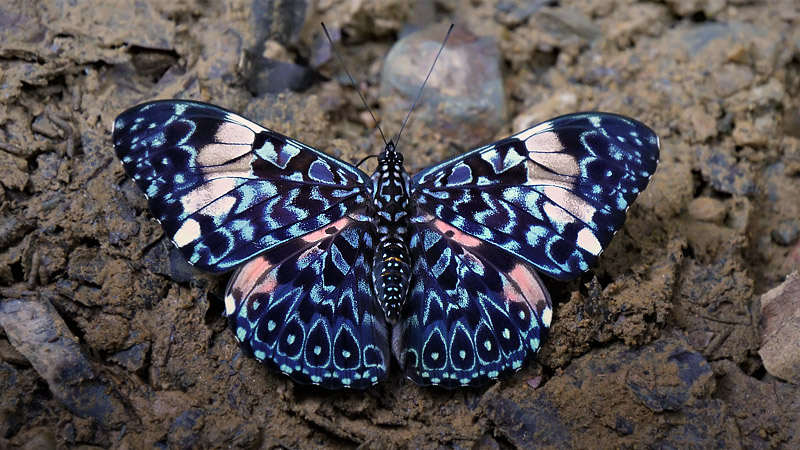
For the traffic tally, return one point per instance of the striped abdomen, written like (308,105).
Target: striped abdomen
(391,267)
(391,272)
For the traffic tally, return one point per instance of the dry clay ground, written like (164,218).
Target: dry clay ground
(110,340)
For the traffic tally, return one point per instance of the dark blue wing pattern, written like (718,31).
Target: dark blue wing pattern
(474,313)
(553,195)
(308,309)
(550,197)
(226,189)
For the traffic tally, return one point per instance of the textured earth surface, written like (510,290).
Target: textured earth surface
(109,339)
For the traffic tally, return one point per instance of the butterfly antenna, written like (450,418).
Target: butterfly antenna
(446,37)
(365,159)
(341,61)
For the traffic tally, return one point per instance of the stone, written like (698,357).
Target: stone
(617,397)
(697,123)
(277,20)
(463,101)
(183,432)
(270,76)
(786,232)
(118,23)
(276,23)
(709,8)
(529,423)
(707,209)
(780,330)
(36,330)
(746,134)
(132,358)
(165,259)
(13,171)
(565,23)
(720,168)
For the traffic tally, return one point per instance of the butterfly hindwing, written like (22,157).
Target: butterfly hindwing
(474,313)
(553,195)
(226,189)
(307,308)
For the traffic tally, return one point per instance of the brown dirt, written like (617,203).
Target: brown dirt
(655,346)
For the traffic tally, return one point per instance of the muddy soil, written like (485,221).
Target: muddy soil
(109,339)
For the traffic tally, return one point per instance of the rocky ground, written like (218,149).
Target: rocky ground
(109,339)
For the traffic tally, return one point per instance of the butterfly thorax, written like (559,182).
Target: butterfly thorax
(391,269)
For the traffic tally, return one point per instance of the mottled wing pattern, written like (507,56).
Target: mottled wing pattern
(307,308)
(553,195)
(474,313)
(226,189)
(549,198)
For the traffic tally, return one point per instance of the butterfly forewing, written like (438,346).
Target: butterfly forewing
(226,189)
(553,195)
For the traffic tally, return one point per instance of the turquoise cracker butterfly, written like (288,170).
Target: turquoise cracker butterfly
(336,270)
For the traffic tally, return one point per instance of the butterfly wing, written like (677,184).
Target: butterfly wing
(549,198)
(226,189)
(307,308)
(474,313)
(553,195)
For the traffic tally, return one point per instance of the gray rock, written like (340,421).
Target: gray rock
(766,411)
(36,330)
(13,229)
(515,12)
(278,20)
(183,432)
(281,22)
(723,173)
(567,23)
(463,100)
(786,233)
(269,76)
(133,358)
(692,370)
(529,424)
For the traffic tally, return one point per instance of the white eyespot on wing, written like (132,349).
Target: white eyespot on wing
(187,233)
(588,242)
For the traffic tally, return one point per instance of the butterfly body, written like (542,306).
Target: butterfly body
(391,202)
(337,273)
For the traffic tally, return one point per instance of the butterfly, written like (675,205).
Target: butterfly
(336,270)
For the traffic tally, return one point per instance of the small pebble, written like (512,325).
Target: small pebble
(535,382)
(786,233)
(707,209)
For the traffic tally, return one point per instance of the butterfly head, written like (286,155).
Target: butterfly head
(390,155)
